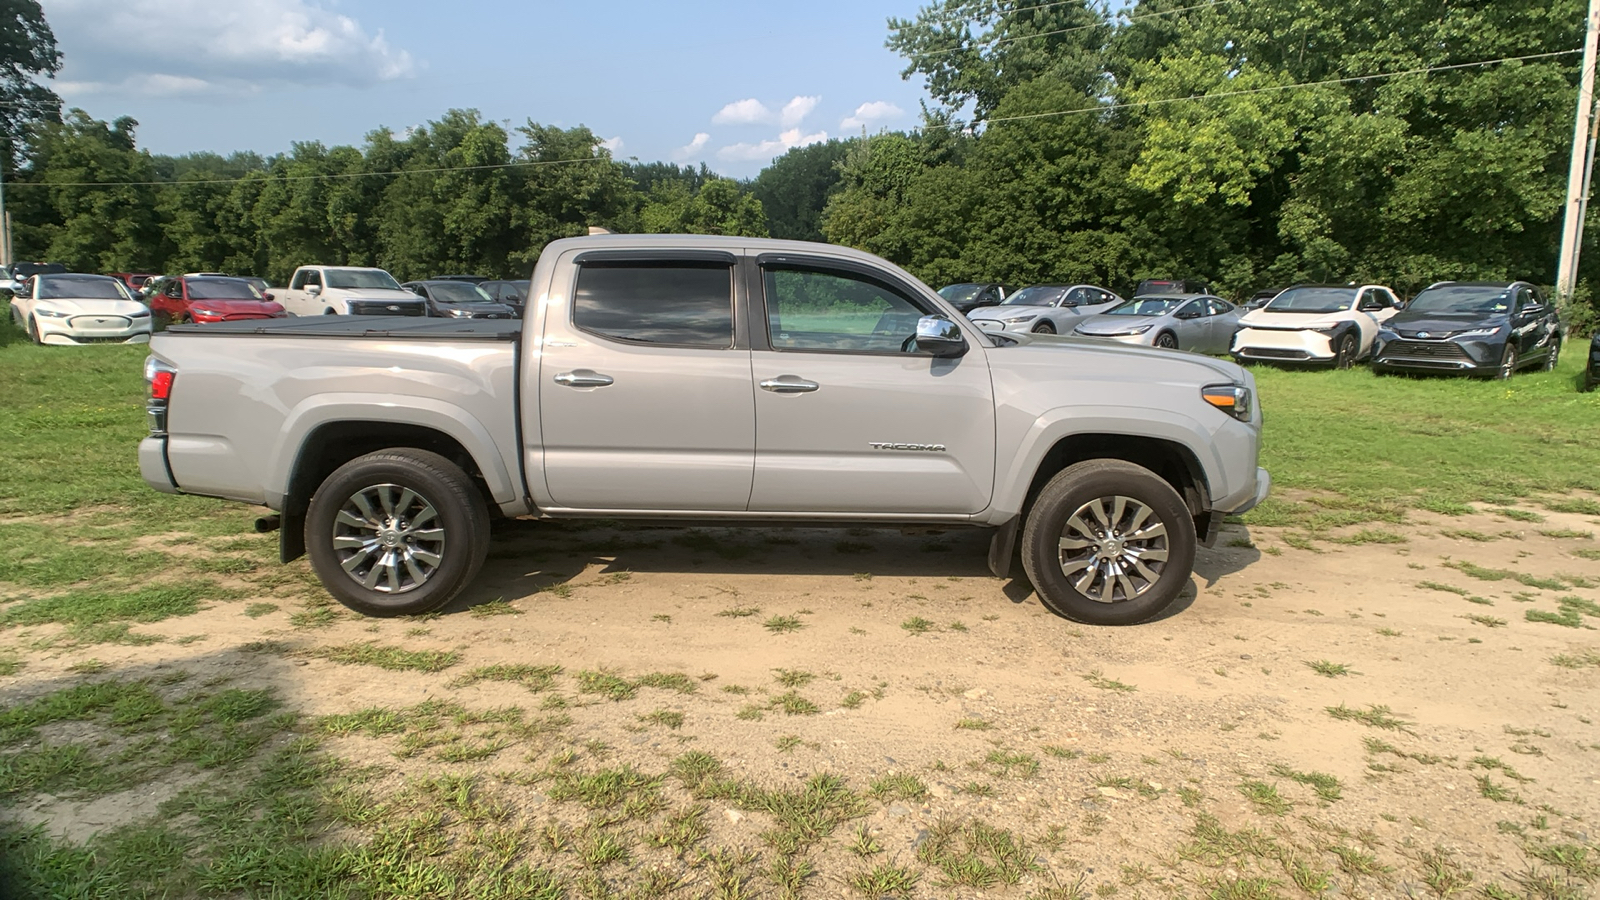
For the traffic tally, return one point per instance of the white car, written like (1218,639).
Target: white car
(75,309)
(1316,324)
(1044,308)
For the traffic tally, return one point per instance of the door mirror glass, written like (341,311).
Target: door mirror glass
(940,336)
(313,289)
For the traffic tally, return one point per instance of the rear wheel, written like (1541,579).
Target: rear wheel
(1109,543)
(1044,328)
(1167,340)
(1508,364)
(1344,354)
(1554,356)
(397,532)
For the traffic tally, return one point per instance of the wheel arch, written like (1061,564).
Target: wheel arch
(1173,461)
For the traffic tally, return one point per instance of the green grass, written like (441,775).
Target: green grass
(92,607)
(1373,716)
(1330,669)
(394,659)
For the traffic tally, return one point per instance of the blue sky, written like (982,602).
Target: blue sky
(725,83)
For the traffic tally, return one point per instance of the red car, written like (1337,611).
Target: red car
(211,299)
(134,280)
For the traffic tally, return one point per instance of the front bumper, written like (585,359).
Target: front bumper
(83,330)
(1283,345)
(1249,497)
(998,325)
(1147,339)
(1437,355)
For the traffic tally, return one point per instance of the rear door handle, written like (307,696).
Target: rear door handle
(584,378)
(789,384)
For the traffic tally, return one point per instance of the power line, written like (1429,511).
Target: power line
(1141,104)
(323,177)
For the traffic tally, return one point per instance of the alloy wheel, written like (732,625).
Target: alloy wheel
(1508,364)
(1167,341)
(1113,549)
(388,538)
(1346,356)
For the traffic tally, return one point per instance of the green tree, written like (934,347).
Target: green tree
(794,189)
(70,217)
(27,51)
(718,207)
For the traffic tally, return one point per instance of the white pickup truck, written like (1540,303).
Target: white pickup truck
(688,378)
(347,291)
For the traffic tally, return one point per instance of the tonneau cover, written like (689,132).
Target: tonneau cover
(390,327)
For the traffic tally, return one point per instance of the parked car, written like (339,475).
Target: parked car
(511,293)
(1198,322)
(203,298)
(1591,372)
(1319,324)
(79,309)
(648,386)
(1170,286)
(12,276)
(470,279)
(260,284)
(1483,328)
(459,300)
(348,290)
(970,296)
(134,280)
(1045,308)
(1261,298)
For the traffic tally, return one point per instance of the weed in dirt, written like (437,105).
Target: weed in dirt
(394,659)
(1372,536)
(1330,669)
(1061,752)
(787,743)
(604,789)
(1447,588)
(1572,611)
(740,612)
(977,789)
(1486,621)
(862,843)
(751,713)
(607,684)
(1491,791)
(1374,716)
(667,717)
(1486,574)
(1567,534)
(790,703)
(1580,660)
(736,689)
(257,610)
(1265,797)
(1011,764)
(535,678)
(494,608)
(314,615)
(661,617)
(1326,786)
(92,607)
(668,681)
(854,699)
(973,724)
(783,624)
(918,625)
(1469,535)
(1586,553)
(883,880)
(1517,515)
(862,576)
(1097,679)
(793,678)
(1389,632)
(1576,505)
(886,788)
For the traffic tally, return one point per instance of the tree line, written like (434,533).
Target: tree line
(1250,143)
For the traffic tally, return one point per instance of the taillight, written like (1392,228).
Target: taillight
(160,375)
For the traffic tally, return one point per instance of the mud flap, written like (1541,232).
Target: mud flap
(291,537)
(1207,526)
(1003,548)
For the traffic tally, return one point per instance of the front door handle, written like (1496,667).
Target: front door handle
(584,378)
(789,384)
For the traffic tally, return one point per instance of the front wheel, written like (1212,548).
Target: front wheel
(1167,340)
(1508,364)
(1554,356)
(397,532)
(33,331)
(1044,328)
(1108,542)
(1344,354)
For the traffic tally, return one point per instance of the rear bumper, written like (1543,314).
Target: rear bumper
(153,466)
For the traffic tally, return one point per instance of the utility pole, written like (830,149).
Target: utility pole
(1582,161)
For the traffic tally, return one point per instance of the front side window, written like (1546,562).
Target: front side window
(817,309)
(682,304)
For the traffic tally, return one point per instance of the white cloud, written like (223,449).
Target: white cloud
(613,144)
(167,47)
(742,112)
(693,148)
(868,113)
(796,110)
(766,150)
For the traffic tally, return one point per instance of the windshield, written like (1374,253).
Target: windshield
(1313,300)
(220,289)
(371,279)
(25,270)
(1034,296)
(1462,298)
(958,292)
(1146,306)
(457,292)
(81,287)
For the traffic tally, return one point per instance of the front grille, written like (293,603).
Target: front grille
(240,317)
(1426,350)
(100,340)
(1274,353)
(118,323)
(385,308)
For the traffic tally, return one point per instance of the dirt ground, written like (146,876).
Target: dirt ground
(1138,761)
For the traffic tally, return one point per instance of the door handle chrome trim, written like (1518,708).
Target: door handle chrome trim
(584,378)
(788,384)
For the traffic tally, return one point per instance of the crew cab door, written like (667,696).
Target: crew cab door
(850,417)
(644,398)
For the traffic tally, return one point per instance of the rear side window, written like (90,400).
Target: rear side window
(686,304)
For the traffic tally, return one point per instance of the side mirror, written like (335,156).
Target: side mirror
(940,336)
(1399,305)
(267,295)
(313,289)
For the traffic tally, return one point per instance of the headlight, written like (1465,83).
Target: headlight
(1127,331)
(1232,399)
(1013,320)
(1476,332)
(461,313)
(1330,328)
(141,314)
(205,312)
(52,314)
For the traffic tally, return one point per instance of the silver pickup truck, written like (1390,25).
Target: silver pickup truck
(707,379)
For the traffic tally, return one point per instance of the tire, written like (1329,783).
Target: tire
(1044,328)
(1508,364)
(1344,354)
(33,331)
(329,312)
(350,522)
(1167,340)
(1553,358)
(1065,507)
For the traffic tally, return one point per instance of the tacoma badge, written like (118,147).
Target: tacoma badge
(927,448)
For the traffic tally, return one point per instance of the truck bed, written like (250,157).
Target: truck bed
(345,327)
